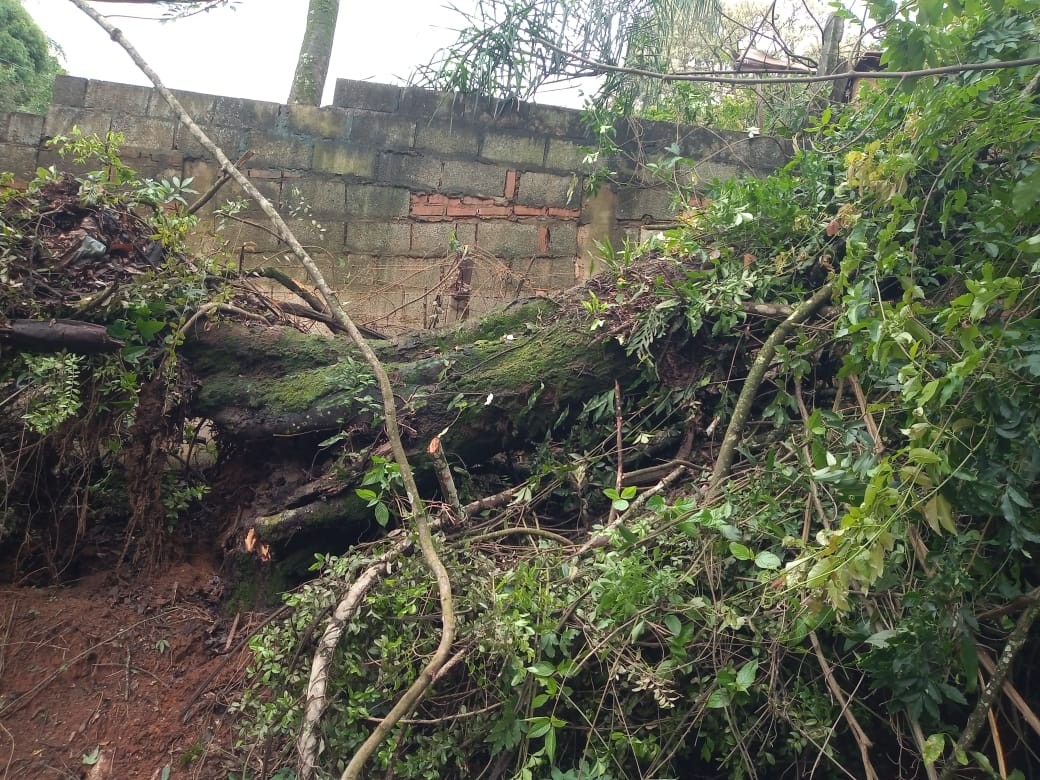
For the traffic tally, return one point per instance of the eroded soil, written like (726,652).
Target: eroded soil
(110,678)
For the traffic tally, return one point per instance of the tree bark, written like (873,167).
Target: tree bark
(312,66)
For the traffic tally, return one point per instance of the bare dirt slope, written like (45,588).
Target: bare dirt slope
(101,679)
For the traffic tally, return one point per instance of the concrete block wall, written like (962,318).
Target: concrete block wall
(421,207)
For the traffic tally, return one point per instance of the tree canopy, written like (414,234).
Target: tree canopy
(27,66)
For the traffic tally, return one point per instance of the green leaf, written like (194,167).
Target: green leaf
(740,551)
(923,456)
(673,624)
(91,758)
(746,675)
(542,669)
(382,513)
(719,698)
(933,748)
(366,495)
(539,727)
(767,560)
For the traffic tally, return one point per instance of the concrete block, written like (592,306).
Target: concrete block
(562,240)
(19,159)
(198,106)
(493,113)
(435,238)
(380,238)
(766,153)
(231,140)
(514,148)
(454,139)
(644,204)
(318,196)
(69,91)
(462,177)
(413,170)
(336,157)
(556,121)
(371,200)
(316,232)
(568,156)
(327,122)
(152,162)
(25,128)
(144,131)
(359,271)
(204,174)
(382,132)
(366,95)
(274,151)
(545,274)
(60,121)
(702,172)
(510,239)
(251,114)
(428,105)
(548,189)
(118,97)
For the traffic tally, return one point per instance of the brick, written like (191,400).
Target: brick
(145,131)
(512,180)
(60,121)
(382,238)
(412,170)
(494,211)
(332,157)
(427,210)
(118,97)
(547,189)
(69,91)
(25,128)
(558,213)
(366,95)
(328,122)
(436,197)
(461,210)
(447,138)
(277,151)
(382,132)
(530,211)
(435,238)
(371,200)
(513,148)
(472,178)
(198,106)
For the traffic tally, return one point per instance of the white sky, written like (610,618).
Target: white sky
(250,50)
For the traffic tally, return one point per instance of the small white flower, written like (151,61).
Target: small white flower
(753,131)
(490,398)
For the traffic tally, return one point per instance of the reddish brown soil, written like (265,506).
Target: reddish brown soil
(98,680)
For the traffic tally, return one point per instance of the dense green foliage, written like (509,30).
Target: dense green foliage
(875,538)
(27,67)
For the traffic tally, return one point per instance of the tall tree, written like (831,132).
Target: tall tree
(312,66)
(27,67)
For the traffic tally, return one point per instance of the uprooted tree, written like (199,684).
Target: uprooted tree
(759,501)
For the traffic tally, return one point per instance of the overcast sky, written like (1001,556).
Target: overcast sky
(250,50)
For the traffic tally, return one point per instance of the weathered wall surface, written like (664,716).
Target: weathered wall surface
(421,207)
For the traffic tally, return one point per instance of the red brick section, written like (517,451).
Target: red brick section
(434,207)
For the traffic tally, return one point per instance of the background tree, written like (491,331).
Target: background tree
(27,67)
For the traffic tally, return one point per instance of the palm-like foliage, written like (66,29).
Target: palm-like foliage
(510,49)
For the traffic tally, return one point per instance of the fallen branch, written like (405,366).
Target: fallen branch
(735,431)
(83,338)
(1015,642)
(417,510)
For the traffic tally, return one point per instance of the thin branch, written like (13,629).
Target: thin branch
(754,379)
(603,67)
(418,513)
(1015,642)
(443,471)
